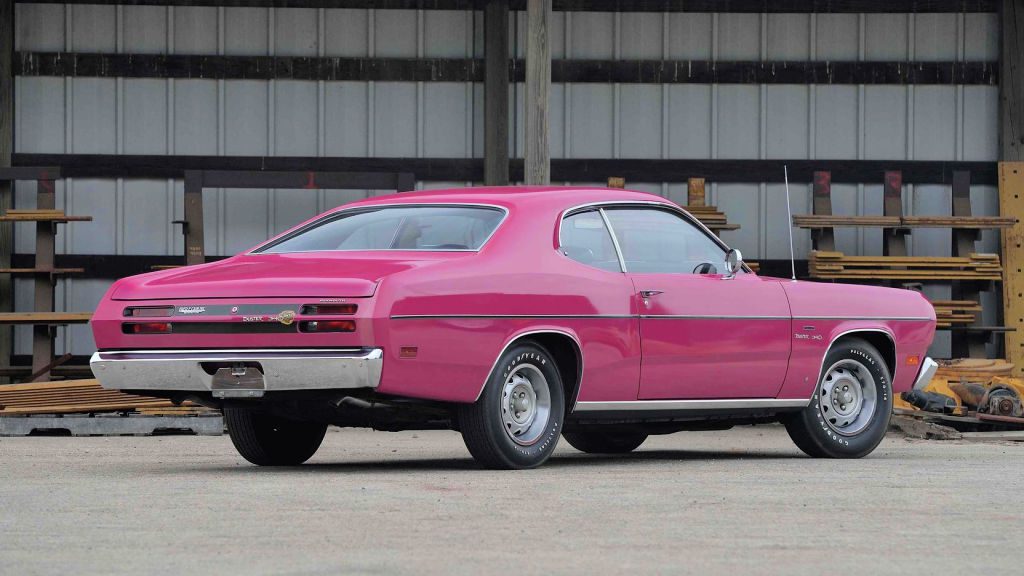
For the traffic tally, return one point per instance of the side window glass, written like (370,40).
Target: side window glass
(658,241)
(586,239)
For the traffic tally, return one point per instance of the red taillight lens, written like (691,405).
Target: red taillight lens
(328,309)
(328,326)
(148,328)
(149,312)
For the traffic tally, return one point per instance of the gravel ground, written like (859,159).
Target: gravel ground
(737,502)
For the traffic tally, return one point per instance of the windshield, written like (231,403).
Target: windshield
(394,228)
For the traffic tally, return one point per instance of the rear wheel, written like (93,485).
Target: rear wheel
(517,420)
(594,440)
(268,440)
(850,409)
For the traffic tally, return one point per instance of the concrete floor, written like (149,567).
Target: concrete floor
(736,502)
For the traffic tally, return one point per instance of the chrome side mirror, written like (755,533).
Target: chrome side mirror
(733,263)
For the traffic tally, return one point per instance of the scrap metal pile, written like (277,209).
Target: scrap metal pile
(969,394)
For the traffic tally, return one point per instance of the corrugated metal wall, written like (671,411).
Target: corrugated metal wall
(410,119)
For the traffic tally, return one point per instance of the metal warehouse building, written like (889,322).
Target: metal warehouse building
(124,97)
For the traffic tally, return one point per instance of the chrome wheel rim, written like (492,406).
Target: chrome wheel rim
(525,404)
(848,397)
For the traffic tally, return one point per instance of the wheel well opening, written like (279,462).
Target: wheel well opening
(567,358)
(882,342)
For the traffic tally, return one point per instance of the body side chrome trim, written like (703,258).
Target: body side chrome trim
(539,316)
(520,336)
(611,233)
(703,404)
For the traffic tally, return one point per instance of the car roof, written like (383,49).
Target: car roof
(551,197)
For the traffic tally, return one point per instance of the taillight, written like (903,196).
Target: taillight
(149,311)
(328,309)
(146,328)
(328,326)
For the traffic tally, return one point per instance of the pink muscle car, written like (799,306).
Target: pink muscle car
(516,316)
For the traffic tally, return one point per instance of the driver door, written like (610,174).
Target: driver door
(703,335)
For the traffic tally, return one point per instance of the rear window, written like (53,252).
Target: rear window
(395,228)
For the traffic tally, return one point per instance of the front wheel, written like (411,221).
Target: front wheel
(267,440)
(517,420)
(849,412)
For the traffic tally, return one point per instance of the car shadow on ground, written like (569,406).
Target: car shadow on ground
(400,464)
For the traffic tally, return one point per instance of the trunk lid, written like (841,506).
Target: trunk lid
(307,274)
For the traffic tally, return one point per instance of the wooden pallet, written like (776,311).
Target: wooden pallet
(45,318)
(814,221)
(72,396)
(955,312)
(41,216)
(838,266)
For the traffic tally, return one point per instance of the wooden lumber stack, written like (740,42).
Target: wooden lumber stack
(73,396)
(711,217)
(959,312)
(960,222)
(838,266)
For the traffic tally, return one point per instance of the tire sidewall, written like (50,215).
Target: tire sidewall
(539,451)
(867,439)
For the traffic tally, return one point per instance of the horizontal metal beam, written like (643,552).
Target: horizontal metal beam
(74,64)
(754,6)
(309,180)
(30,173)
(562,169)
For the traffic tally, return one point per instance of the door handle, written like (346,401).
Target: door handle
(649,293)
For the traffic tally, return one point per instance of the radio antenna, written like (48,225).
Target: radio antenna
(789,223)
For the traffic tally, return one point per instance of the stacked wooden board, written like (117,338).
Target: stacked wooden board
(711,217)
(838,266)
(955,312)
(71,396)
(962,222)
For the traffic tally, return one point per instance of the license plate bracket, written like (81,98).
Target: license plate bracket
(238,381)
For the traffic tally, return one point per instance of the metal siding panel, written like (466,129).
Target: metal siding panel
(985,202)
(690,36)
(290,207)
(982,34)
(641,35)
(145,116)
(740,202)
(394,119)
(738,120)
(556,122)
(835,122)
(146,217)
(296,32)
(934,122)
(931,200)
(23,296)
(145,29)
(96,198)
(885,36)
(777,222)
(35,29)
(446,35)
(245,118)
(837,36)
(395,34)
(981,123)
(345,121)
(81,294)
(885,123)
(640,121)
(195,30)
(295,118)
(246,31)
(92,28)
(39,115)
(935,36)
(195,117)
(444,122)
(689,121)
(94,116)
(592,113)
(845,203)
(245,220)
(739,36)
(872,199)
(786,123)
(347,32)
(592,35)
(788,36)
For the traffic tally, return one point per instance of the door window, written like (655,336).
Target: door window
(585,239)
(659,241)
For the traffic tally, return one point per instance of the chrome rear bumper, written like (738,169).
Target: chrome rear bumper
(238,373)
(924,375)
